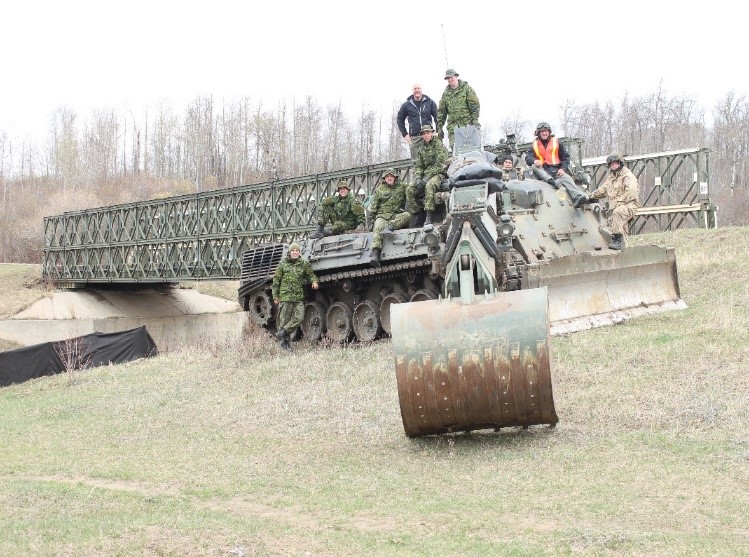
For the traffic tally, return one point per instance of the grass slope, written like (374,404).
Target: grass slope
(243,450)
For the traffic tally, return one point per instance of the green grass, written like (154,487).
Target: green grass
(244,450)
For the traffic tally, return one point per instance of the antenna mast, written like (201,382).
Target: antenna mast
(444,45)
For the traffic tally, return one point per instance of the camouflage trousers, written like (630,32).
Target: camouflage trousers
(290,316)
(412,194)
(398,221)
(341,226)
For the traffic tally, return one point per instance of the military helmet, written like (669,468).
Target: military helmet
(294,246)
(504,158)
(616,157)
(390,171)
(451,73)
(542,126)
(343,184)
(426,128)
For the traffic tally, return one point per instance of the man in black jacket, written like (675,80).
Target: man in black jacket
(420,111)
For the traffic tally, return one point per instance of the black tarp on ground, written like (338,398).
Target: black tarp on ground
(87,351)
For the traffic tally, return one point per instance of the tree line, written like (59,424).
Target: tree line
(110,157)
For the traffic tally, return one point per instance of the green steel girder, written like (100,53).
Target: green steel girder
(202,236)
(191,237)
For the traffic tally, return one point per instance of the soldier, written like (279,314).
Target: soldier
(459,106)
(344,212)
(623,191)
(429,171)
(507,166)
(288,292)
(386,208)
(549,161)
(418,110)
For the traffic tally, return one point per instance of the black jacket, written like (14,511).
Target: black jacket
(418,114)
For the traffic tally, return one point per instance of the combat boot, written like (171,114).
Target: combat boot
(374,260)
(552,183)
(388,232)
(319,233)
(616,242)
(580,200)
(428,220)
(281,335)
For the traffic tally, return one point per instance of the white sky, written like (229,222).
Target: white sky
(522,58)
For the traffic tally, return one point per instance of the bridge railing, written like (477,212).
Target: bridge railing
(202,236)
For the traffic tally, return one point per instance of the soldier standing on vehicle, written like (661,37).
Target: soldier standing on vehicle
(549,161)
(386,208)
(343,211)
(288,292)
(429,171)
(418,110)
(623,192)
(459,106)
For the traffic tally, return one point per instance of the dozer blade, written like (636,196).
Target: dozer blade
(594,289)
(481,365)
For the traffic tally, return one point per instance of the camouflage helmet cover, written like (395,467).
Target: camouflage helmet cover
(615,157)
(451,73)
(294,246)
(390,172)
(542,126)
(343,184)
(426,128)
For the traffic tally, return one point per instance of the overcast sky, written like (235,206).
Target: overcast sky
(525,60)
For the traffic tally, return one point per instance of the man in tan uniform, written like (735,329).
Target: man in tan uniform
(623,192)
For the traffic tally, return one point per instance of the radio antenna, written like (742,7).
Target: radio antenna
(444,45)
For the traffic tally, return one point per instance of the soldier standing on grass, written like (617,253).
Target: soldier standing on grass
(288,291)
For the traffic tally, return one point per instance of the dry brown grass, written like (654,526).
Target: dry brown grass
(243,449)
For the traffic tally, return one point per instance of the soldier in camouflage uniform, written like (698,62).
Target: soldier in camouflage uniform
(623,192)
(459,106)
(429,171)
(288,291)
(386,207)
(343,211)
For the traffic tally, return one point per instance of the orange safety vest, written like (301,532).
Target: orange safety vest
(550,153)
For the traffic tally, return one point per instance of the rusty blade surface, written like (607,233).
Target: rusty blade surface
(462,367)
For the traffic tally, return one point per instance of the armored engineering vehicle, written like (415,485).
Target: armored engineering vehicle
(471,300)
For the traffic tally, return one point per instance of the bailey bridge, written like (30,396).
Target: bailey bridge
(202,236)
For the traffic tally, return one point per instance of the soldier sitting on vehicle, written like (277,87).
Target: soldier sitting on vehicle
(507,166)
(429,171)
(386,208)
(549,161)
(623,192)
(343,211)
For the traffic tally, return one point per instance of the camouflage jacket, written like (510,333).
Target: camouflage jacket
(458,107)
(343,209)
(289,280)
(431,159)
(388,201)
(621,189)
